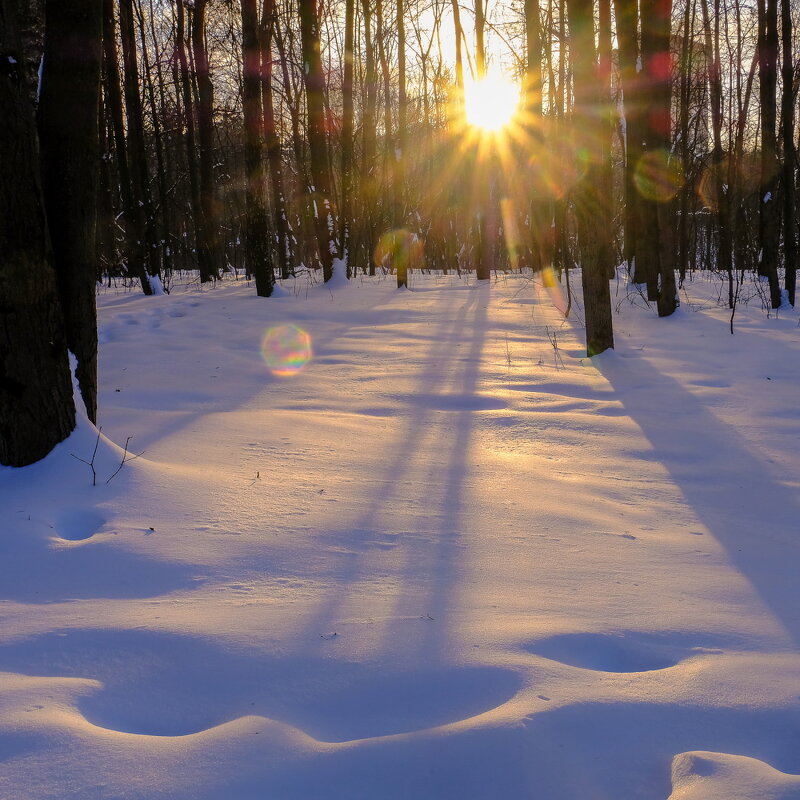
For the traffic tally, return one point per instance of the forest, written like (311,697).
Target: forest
(274,137)
(398,400)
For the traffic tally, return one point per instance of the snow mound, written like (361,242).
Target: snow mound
(701,775)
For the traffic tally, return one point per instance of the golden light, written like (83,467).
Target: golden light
(491,103)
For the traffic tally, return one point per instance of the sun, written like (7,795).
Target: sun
(491,103)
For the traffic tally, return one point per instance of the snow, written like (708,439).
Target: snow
(446,559)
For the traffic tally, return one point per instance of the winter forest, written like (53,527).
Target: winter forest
(399,399)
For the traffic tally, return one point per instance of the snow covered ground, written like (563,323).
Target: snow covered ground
(449,558)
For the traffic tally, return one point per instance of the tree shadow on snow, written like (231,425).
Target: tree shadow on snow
(730,489)
(425,518)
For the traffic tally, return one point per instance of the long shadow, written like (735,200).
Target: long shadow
(733,492)
(444,492)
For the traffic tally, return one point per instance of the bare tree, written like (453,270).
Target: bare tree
(589,199)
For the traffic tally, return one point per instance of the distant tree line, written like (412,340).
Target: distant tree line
(142,138)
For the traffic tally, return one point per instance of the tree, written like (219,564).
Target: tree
(70,157)
(135,250)
(36,406)
(347,134)
(142,207)
(208,230)
(655,250)
(256,234)
(314,79)
(789,154)
(589,199)
(272,140)
(769,219)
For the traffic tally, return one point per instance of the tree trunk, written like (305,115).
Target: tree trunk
(70,156)
(369,182)
(133,221)
(36,406)
(272,141)
(161,217)
(137,154)
(627,17)
(589,200)
(402,121)
(256,231)
(541,211)
(347,135)
(205,261)
(209,252)
(769,220)
(655,249)
(789,154)
(314,80)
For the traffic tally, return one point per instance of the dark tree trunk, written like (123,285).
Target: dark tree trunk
(161,217)
(655,249)
(627,17)
(209,252)
(314,79)
(789,154)
(137,154)
(604,65)
(347,135)
(769,219)
(36,406)
(369,182)
(402,121)
(256,231)
(589,200)
(540,210)
(388,135)
(133,219)
(205,261)
(272,141)
(481,198)
(70,156)
(722,197)
(685,88)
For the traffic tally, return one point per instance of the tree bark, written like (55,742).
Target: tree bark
(272,141)
(132,217)
(656,249)
(589,200)
(769,220)
(347,135)
(209,252)
(36,406)
(205,261)
(137,153)
(789,154)
(314,80)
(70,157)
(627,17)
(256,230)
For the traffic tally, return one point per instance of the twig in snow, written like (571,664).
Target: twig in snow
(125,459)
(91,463)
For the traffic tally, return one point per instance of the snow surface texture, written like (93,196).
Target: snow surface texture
(449,558)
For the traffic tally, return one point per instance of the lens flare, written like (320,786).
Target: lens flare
(552,172)
(657,177)
(286,350)
(399,249)
(511,231)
